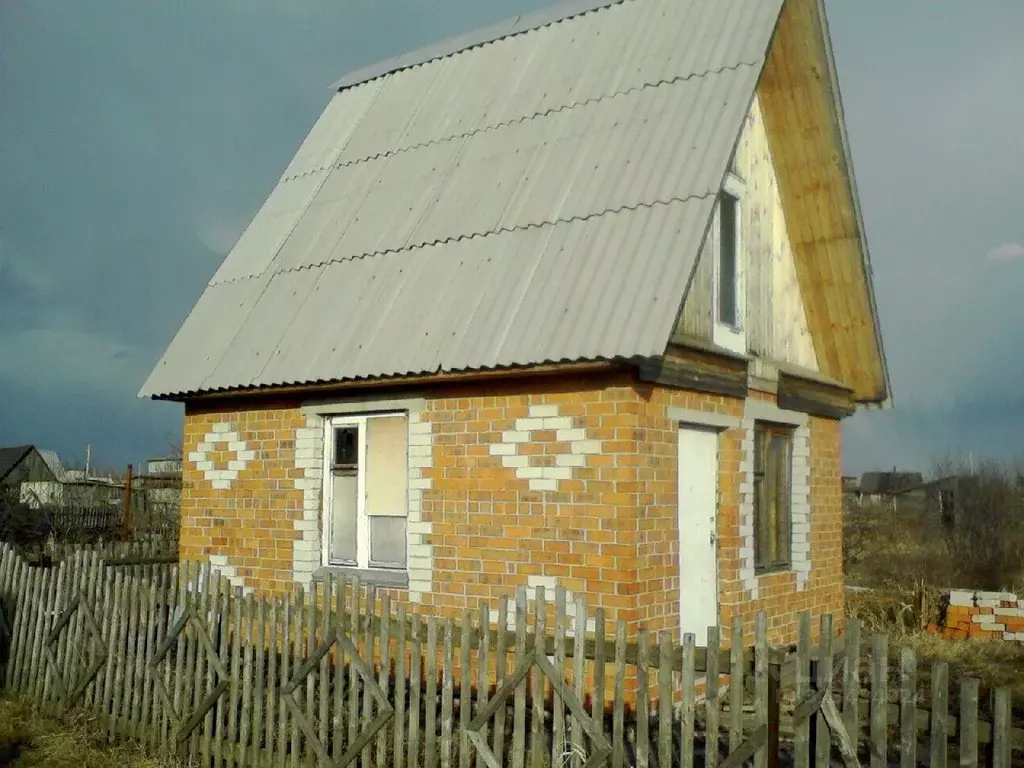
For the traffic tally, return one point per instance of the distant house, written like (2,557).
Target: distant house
(160,486)
(168,468)
(579,300)
(26,467)
(945,499)
(882,486)
(37,477)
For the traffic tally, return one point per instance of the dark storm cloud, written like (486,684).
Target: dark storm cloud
(137,139)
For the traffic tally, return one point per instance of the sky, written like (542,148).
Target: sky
(138,138)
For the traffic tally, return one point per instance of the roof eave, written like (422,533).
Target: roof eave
(882,400)
(575,367)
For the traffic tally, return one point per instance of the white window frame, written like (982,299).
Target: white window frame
(731,337)
(362,519)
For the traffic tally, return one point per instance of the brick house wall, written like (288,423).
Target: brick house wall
(538,482)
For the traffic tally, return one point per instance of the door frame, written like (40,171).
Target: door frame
(715,424)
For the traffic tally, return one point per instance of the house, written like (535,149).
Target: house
(26,470)
(157,491)
(945,500)
(37,477)
(26,463)
(578,300)
(882,486)
(901,493)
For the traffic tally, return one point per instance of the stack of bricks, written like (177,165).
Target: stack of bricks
(986,615)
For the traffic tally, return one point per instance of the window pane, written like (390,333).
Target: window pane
(387,473)
(760,448)
(760,553)
(783,529)
(346,446)
(387,541)
(771,507)
(344,512)
(727,299)
(772,496)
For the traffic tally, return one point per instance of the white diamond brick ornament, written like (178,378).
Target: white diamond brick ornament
(238,451)
(545,418)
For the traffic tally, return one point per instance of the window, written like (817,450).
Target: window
(773,456)
(366,491)
(728,260)
(729,299)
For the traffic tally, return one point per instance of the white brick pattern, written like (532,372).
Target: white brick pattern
(221,564)
(550,584)
(800,545)
(545,418)
(421,556)
(222,477)
(309,457)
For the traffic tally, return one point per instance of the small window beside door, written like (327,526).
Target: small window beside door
(773,478)
(366,491)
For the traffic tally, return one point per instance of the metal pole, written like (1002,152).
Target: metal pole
(128,504)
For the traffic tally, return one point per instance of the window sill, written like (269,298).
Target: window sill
(377,577)
(731,338)
(779,570)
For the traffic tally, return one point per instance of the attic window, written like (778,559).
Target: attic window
(728,260)
(727,238)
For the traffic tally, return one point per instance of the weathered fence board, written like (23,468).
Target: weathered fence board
(335,674)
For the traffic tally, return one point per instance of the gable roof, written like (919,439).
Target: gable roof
(52,460)
(536,199)
(11,457)
(535,192)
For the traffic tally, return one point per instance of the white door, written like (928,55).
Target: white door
(698,507)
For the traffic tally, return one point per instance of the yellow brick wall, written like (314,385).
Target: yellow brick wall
(608,533)
(252,522)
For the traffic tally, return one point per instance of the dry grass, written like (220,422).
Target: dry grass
(31,740)
(906,567)
(994,663)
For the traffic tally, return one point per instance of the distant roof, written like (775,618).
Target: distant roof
(889,482)
(526,199)
(53,462)
(11,457)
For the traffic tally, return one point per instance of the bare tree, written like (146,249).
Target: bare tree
(174,449)
(986,538)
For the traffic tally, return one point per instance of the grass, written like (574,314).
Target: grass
(29,739)
(906,570)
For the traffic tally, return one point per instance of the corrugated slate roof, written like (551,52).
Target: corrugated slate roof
(539,198)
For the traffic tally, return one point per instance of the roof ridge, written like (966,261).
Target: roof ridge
(472,236)
(521,119)
(509,27)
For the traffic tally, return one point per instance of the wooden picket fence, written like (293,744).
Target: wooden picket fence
(170,656)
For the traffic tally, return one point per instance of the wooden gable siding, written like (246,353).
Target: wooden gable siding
(776,320)
(31,469)
(804,125)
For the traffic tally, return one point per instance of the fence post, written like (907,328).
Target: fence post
(128,504)
(774,711)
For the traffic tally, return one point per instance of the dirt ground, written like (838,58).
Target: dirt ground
(29,740)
